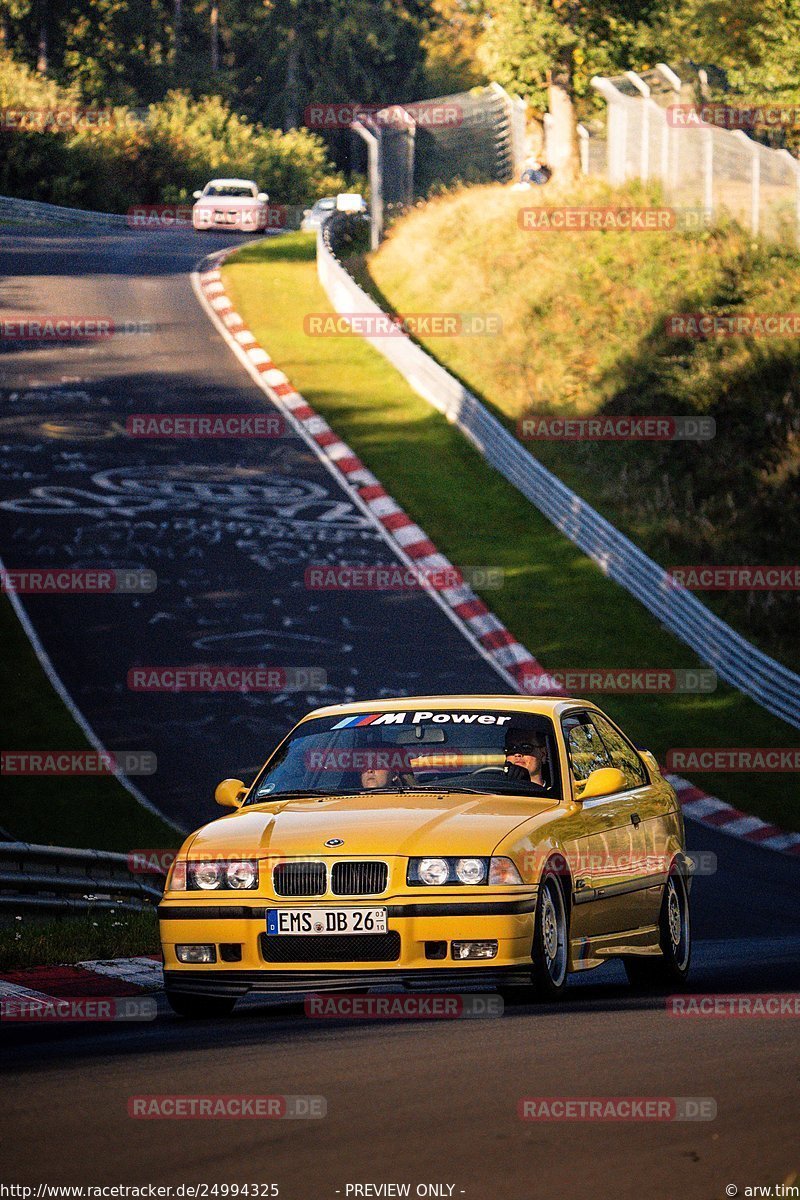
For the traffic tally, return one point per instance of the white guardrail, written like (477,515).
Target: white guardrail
(736,661)
(60,880)
(37,210)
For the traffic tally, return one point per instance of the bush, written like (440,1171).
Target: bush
(144,158)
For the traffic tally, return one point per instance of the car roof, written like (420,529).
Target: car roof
(545,706)
(233,182)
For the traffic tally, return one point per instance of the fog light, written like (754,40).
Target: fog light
(474,949)
(196,954)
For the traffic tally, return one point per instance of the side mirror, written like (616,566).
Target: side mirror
(263,197)
(197,195)
(650,761)
(603,782)
(230,793)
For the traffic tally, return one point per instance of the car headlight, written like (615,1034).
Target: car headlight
(433,871)
(471,870)
(215,876)
(207,875)
(241,875)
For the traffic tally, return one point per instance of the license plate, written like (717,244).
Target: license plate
(316,921)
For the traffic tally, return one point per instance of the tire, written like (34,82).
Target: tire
(200,1007)
(550,951)
(657,973)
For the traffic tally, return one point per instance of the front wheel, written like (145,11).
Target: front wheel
(550,950)
(199,1007)
(671,966)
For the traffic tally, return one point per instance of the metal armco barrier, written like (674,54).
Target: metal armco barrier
(736,661)
(59,880)
(37,210)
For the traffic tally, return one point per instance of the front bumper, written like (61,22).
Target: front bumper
(414,927)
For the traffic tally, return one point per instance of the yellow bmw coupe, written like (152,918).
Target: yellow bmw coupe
(433,842)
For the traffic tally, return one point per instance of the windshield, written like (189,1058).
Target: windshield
(464,750)
(230,190)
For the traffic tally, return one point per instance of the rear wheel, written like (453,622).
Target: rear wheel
(200,1007)
(671,966)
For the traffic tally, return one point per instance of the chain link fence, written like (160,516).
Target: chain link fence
(470,137)
(655,131)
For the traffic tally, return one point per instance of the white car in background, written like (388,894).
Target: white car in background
(313,217)
(231,204)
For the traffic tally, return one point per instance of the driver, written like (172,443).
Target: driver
(526,754)
(375,777)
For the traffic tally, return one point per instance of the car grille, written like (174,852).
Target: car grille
(359,878)
(346,947)
(299,879)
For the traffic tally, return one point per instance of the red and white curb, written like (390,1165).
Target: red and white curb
(716,814)
(487,633)
(104,989)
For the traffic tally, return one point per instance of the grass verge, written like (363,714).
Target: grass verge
(587,329)
(80,811)
(554,599)
(34,942)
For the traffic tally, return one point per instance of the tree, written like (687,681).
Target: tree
(548,50)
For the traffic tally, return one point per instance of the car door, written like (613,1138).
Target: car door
(614,847)
(653,804)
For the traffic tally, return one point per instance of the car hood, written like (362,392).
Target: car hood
(408,824)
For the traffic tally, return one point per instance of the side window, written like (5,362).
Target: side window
(584,747)
(623,755)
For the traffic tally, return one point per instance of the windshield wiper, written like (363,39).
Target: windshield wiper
(293,794)
(301,793)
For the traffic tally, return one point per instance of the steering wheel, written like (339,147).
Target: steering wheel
(539,789)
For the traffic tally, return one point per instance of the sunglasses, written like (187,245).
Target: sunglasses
(537,750)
